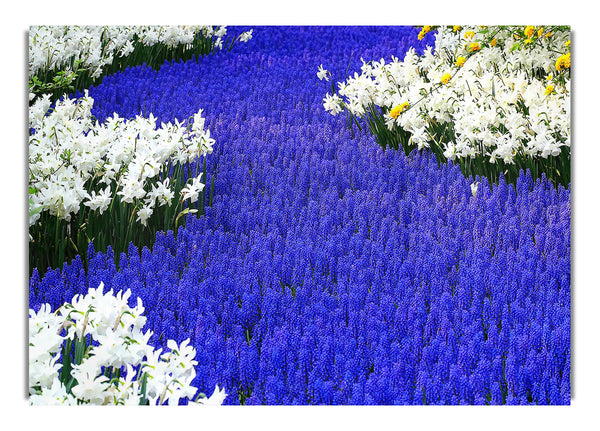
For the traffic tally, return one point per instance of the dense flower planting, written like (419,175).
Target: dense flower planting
(63,57)
(103,182)
(495,99)
(93,350)
(326,271)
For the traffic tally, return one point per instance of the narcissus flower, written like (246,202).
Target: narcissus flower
(333,104)
(246,36)
(426,29)
(398,109)
(529,31)
(474,47)
(192,191)
(322,73)
(563,62)
(460,61)
(549,89)
(445,78)
(216,399)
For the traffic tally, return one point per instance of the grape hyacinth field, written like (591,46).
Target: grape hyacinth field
(279,254)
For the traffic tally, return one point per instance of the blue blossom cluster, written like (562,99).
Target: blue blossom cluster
(325,270)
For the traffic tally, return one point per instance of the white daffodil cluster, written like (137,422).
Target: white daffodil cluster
(75,161)
(503,94)
(59,47)
(117,364)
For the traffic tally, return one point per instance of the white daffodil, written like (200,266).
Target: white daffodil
(192,191)
(333,104)
(53,394)
(216,399)
(144,213)
(322,73)
(100,201)
(117,342)
(246,36)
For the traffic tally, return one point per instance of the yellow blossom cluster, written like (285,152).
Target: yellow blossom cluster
(398,109)
(563,62)
(426,29)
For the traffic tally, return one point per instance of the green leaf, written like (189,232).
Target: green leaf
(65,372)
(143,399)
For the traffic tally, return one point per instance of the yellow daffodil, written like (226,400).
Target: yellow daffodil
(469,34)
(460,61)
(529,31)
(426,29)
(445,78)
(493,42)
(398,109)
(540,31)
(563,62)
(456,28)
(549,89)
(568,43)
(474,47)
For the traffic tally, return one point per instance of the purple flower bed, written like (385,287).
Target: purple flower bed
(327,271)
